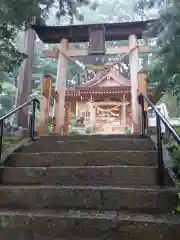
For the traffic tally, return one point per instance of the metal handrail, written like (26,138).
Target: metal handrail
(34,101)
(18,108)
(159,118)
(164,120)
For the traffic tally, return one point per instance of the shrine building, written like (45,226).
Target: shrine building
(104,101)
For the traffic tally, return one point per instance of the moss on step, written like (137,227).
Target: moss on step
(10,140)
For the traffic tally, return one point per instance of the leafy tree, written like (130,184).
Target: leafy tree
(17,15)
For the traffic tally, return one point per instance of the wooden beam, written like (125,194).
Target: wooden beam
(109,51)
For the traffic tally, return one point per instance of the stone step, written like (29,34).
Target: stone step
(89,158)
(92,224)
(84,175)
(13,234)
(134,200)
(87,145)
(95,136)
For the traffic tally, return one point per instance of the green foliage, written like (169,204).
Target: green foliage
(171,103)
(15,16)
(7,97)
(18,14)
(165,68)
(174,151)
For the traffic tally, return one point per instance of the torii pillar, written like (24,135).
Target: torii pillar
(59,111)
(134,69)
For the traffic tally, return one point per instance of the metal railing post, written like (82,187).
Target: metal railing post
(1,136)
(33,119)
(142,116)
(30,126)
(160,152)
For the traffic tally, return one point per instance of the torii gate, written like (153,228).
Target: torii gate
(96,35)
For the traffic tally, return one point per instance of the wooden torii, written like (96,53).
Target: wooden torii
(96,35)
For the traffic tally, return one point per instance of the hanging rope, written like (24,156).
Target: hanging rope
(104,66)
(107,110)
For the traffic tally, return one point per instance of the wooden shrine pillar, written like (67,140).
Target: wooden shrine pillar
(142,88)
(59,111)
(92,114)
(134,69)
(45,105)
(124,112)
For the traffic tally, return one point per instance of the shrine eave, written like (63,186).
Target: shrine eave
(80,33)
(103,91)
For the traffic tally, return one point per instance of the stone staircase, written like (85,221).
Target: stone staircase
(86,188)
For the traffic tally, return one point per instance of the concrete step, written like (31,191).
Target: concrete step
(88,145)
(134,200)
(104,225)
(88,175)
(89,158)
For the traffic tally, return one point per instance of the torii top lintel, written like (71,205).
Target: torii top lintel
(80,33)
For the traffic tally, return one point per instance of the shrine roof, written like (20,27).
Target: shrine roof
(80,33)
(102,91)
(104,74)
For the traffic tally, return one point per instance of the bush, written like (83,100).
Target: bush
(127,130)
(74,132)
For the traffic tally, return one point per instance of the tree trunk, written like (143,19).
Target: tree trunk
(25,78)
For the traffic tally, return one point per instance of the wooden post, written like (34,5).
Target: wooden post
(91,111)
(94,115)
(134,68)
(77,108)
(142,88)
(24,85)
(58,110)
(45,104)
(66,118)
(124,113)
